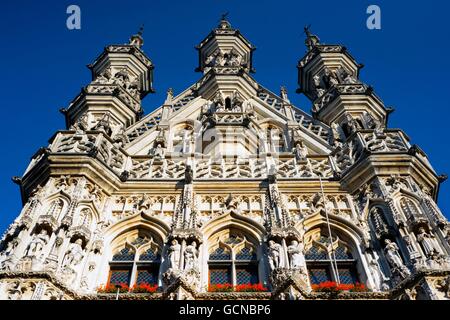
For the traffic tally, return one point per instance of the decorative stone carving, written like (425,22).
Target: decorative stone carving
(158,151)
(395,261)
(275,255)
(296,257)
(174,255)
(37,244)
(443,285)
(300,151)
(74,254)
(427,242)
(191,256)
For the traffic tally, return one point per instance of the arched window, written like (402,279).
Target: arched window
(233,260)
(136,261)
(319,257)
(409,208)
(227,103)
(379,222)
(84,218)
(55,208)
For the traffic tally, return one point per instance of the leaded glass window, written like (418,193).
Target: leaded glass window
(219,275)
(318,261)
(126,254)
(119,276)
(245,275)
(147,275)
(149,255)
(347,274)
(246,254)
(233,262)
(220,254)
(316,253)
(319,274)
(137,262)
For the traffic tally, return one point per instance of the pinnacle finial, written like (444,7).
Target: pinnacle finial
(136,39)
(311,39)
(224,16)
(169,97)
(141,30)
(223,23)
(284,94)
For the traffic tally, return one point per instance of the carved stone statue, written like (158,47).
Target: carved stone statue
(426,240)
(74,254)
(10,248)
(275,251)
(318,86)
(300,151)
(330,78)
(409,244)
(337,134)
(174,255)
(377,275)
(158,151)
(188,175)
(345,76)
(190,256)
(296,257)
(37,243)
(393,257)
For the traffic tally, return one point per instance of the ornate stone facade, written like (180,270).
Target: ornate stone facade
(227,182)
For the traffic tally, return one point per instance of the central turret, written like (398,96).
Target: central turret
(225,51)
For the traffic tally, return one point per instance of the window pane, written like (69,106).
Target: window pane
(341,253)
(148,275)
(315,253)
(246,275)
(319,274)
(126,254)
(220,254)
(120,276)
(149,255)
(233,240)
(347,275)
(246,254)
(219,275)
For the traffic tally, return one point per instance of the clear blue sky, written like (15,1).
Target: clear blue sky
(44,63)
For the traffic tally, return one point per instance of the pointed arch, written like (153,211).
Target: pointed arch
(139,221)
(234,220)
(136,250)
(234,256)
(56,205)
(341,225)
(344,252)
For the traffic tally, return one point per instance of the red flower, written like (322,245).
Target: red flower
(227,287)
(331,286)
(144,288)
(124,288)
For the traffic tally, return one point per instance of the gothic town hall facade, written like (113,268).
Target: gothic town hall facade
(227,190)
